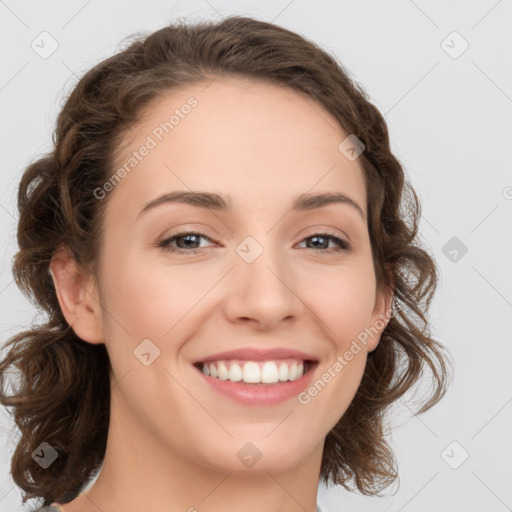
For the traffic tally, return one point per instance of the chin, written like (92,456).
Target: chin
(259,457)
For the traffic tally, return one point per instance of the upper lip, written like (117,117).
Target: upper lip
(257,354)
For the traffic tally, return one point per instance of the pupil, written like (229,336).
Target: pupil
(187,238)
(316,238)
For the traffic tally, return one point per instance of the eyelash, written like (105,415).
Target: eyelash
(344,246)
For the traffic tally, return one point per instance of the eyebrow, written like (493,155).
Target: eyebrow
(217,202)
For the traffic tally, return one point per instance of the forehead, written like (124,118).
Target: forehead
(239,137)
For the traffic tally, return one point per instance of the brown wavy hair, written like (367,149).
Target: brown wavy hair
(63,391)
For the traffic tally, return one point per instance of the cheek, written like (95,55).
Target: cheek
(343,300)
(149,300)
(345,384)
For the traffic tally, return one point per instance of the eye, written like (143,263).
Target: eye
(188,241)
(185,240)
(322,240)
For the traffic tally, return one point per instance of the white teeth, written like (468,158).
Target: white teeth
(252,372)
(268,372)
(235,373)
(223,371)
(213,370)
(283,371)
(292,371)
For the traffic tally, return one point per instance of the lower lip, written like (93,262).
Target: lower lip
(260,394)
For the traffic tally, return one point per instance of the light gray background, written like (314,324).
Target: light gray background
(450,125)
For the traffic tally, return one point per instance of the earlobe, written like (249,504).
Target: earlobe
(77,295)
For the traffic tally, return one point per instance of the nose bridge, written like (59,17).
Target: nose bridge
(259,260)
(263,281)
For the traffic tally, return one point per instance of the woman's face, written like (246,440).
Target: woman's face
(258,276)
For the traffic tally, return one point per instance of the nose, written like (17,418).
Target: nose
(262,292)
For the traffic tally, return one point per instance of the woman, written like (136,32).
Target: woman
(239,372)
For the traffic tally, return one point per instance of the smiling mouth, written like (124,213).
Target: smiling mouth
(257,372)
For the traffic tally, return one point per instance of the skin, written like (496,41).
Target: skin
(173,441)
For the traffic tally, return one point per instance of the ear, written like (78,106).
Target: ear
(78,296)
(380,317)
